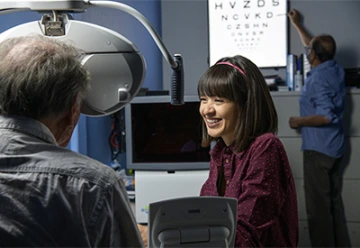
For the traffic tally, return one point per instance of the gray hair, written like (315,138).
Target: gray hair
(40,77)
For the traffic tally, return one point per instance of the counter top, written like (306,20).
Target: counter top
(350,90)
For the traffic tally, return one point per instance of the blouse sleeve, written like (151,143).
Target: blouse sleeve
(264,189)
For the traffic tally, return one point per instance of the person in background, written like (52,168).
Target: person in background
(248,161)
(51,196)
(321,115)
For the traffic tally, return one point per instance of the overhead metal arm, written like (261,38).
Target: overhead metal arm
(81,6)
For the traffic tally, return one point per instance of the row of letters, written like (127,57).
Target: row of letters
(246,4)
(247,16)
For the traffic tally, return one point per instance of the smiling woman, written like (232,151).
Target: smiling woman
(237,81)
(248,161)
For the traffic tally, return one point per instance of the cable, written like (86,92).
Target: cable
(113,141)
(117,134)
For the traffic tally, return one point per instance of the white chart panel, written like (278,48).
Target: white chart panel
(256,29)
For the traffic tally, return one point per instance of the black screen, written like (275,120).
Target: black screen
(162,132)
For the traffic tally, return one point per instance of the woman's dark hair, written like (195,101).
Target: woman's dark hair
(257,114)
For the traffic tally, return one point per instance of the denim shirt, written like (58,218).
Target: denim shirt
(51,196)
(324,95)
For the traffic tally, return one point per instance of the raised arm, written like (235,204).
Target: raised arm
(294,17)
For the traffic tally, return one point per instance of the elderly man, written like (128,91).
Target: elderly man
(49,195)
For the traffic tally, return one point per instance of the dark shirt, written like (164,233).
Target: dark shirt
(324,95)
(261,179)
(53,197)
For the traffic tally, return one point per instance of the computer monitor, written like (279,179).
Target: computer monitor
(203,221)
(164,137)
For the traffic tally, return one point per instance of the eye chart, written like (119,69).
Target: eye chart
(256,29)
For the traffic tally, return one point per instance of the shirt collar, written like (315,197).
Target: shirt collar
(323,65)
(221,146)
(28,126)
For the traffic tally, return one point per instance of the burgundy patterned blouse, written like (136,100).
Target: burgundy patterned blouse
(261,179)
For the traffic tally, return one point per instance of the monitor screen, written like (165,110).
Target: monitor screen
(161,136)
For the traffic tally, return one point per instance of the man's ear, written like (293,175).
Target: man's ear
(69,121)
(75,111)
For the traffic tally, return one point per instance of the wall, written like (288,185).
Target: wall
(185,31)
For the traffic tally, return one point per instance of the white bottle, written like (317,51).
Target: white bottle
(298,81)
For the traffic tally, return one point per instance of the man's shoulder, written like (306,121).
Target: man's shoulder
(329,69)
(78,165)
(72,164)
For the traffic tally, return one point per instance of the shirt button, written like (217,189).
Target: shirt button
(227,160)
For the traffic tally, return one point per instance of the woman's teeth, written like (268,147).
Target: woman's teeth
(211,121)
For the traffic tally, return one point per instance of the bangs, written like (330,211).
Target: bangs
(217,81)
